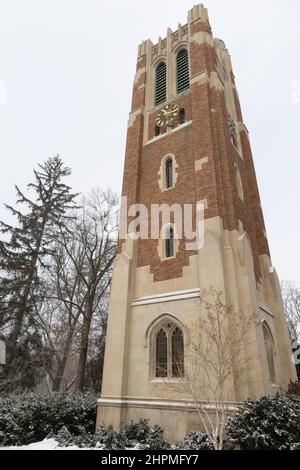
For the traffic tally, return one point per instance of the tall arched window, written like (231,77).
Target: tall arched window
(169,351)
(269,343)
(182,71)
(169,173)
(169,242)
(160,83)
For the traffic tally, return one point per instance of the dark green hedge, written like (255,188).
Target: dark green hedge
(29,418)
(270,423)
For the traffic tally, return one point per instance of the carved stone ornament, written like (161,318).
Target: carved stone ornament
(232,126)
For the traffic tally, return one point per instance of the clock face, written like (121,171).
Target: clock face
(167,115)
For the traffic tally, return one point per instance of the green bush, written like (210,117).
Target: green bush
(195,441)
(29,418)
(271,423)
(135,435)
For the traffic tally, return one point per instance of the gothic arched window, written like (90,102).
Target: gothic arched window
(160,83)
(182,71)
(169,240)
(169,351)
(169,173)
(270,351)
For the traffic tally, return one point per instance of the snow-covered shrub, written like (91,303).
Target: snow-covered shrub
(110,439)
(268,423)
(155,440)
(135,435)
(195,441)
(136,432)
(83,440)
(29,418)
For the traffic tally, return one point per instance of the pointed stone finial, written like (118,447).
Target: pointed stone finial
(169,39)
(160,41)
(198,12)
(144,48)
(179,31)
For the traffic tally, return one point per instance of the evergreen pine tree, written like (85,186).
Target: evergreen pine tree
(24,251)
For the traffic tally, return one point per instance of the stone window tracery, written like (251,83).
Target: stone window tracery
(169,351)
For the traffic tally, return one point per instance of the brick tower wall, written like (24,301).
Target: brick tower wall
(205,154)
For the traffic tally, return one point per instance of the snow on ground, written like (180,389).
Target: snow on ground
(51,444)
(47,444)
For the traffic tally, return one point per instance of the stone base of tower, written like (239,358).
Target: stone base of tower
(177,418)
(130,390)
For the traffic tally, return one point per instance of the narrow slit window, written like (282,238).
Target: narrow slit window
(161,354)
(170,243)
(182,71)
(169,173)
(182,116)
(177,353)
(161,84)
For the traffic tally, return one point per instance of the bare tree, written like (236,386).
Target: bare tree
(73,315)
(59,317)
(90,245)
(291,301)
(214,361)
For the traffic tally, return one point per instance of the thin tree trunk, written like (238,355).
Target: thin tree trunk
(84,343)
(62,363)
(59,374)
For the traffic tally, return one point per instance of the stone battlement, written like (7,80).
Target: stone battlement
(197,13)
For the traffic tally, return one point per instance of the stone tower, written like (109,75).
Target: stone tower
(187,143)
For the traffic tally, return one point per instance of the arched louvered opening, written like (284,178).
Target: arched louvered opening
(269,343)
(177,353)
(170,242)
(182,71)
(161,343)
(161,84)
(169,173)
(182,116)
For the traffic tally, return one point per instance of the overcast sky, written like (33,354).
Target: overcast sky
(66,72)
